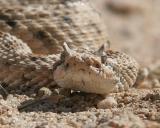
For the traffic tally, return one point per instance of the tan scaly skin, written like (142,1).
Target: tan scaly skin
(102,71)
(46,24)
(97,72)
(19,66)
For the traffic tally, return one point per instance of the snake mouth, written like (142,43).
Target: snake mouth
(85,72)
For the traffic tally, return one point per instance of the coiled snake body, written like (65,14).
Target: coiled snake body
(33,52)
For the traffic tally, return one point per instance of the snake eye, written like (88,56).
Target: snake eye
(66,65)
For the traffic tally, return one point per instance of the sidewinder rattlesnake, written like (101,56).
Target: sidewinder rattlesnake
(33,52)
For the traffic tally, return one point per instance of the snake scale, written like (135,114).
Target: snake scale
(33,49)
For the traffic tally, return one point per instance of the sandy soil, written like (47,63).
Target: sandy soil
(133,27)
(135,108)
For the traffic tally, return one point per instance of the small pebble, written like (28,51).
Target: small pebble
(108,102)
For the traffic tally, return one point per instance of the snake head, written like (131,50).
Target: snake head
(84,70)
(99,72)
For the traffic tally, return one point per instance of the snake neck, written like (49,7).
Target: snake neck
(15,52)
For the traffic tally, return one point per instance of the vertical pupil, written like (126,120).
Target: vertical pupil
(67,65)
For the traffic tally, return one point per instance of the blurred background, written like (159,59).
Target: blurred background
(133,27)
